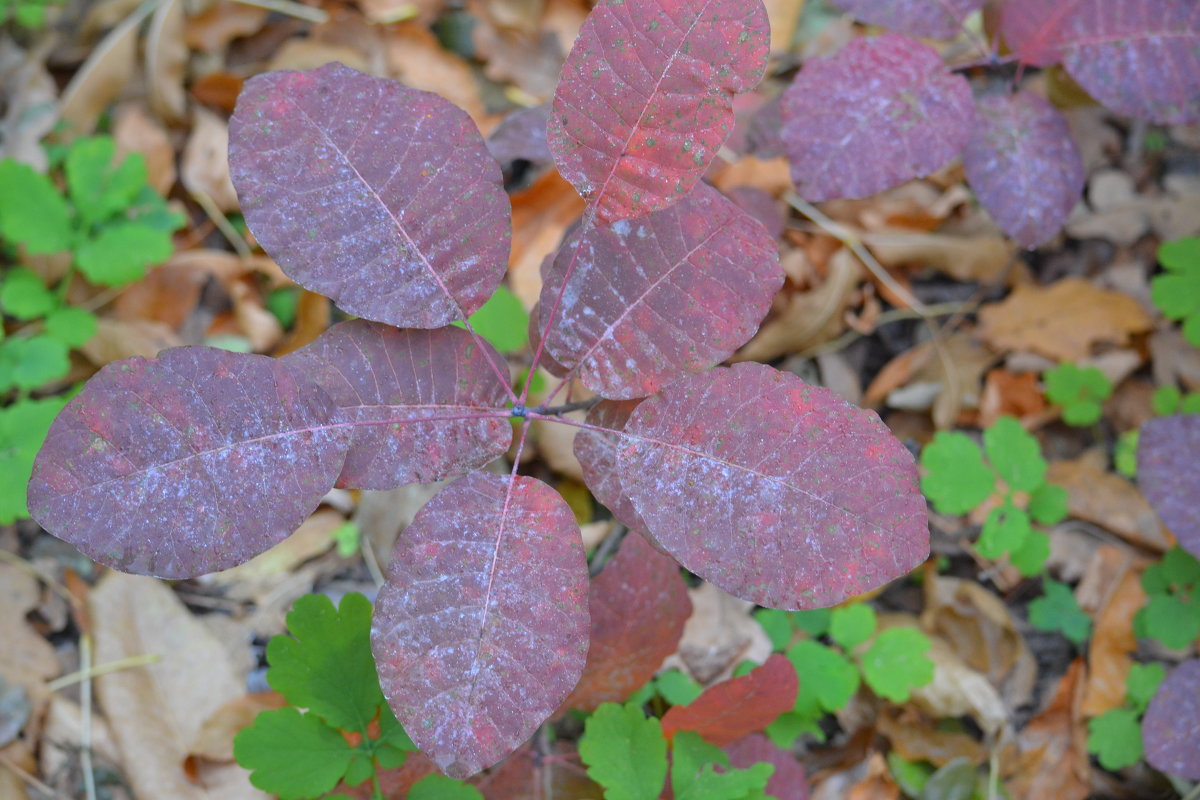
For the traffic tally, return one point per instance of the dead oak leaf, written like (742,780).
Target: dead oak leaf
(1062,321)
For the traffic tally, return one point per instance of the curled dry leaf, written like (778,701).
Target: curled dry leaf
(1110,653)
(106,72)
(415,57)
(1054,756)
(214,28)
(1108,500)
(1062,321)
(135,131)
(984,258)
(166,61)
(205,166)
(720,634)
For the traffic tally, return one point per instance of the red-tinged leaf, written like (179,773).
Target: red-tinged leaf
(1023,164)
(1035,30)
(188,463)
(379,196)
(530,775)
(652,299)
(639,604)
(1171,727)
(1169,475)
(411,395)
(645,98)
(734,708)
(788,780)
(1138,57)
(877,113)
(481,630)
(939,19)
(778,492)
(597,454)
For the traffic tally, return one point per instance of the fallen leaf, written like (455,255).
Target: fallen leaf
(983,258)
(877,784)
(1054,757)
(639,604)
(943,376)
(259,325)
(1062,321)
(1108,500)
(313,314)
(261,573)
(214,740)
(212,30)
(116,339)
(31,102)
(1012,395)
(218,90)
(106,72)
(136,132)
(415,57)
(719,635)
(26,659)
(1110,653)
(526,775)
(957,690)
(915,737)
(772,175)
(204,168)
(166,61)
(541,215)
(62,737)
(157,710)
(737,707)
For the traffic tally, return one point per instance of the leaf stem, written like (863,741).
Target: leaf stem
(566,408)
(103,669)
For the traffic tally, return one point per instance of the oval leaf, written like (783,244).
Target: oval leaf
(1023,164)
(645,98)
(379,196)
(1171,727)
(597,454)
(850,137)
(1035,30)
(1138,57)
(737,707)
(481,630)
(776,491)
(188,463)
(940,19)
(652,299)
(1168,476)
(639,604)
(789,778)
(410,395)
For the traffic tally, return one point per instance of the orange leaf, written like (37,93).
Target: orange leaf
(734,708)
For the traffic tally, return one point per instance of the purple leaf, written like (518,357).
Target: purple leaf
(1024,166)
(389,382)
(1169,474)
(1171,727)
(939,19)
(482,628)
(189,463)
(652,299)
(776,491)
(645,98)
(1137,57)
(379,196)
(788,780)
(597,454)
(521,136)
(639,604)
(877,113)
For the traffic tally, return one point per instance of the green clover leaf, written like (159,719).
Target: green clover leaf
(625,752)
(1116,738)
(292,755)
(1079,390)
(896,663)
(852,625)
(956,479)
(32,212)
(1058,610)
(1015,454)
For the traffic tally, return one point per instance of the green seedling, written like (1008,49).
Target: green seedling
(1176,292)
(1057,610)
(114,225)
(29,14)
(1079,390)
(326,668)
(891,663)
(1115,736)
(1172,612)
(957,480)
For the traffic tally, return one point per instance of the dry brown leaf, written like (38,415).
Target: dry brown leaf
(415,57)
(260,326)
(1008,394)
(1113,643)
(218,90)
(135,131)
(1054,758)
(914,736)
(801,320)
(261,573)
(313,314)
(116,339)
(381,516)
(957,690)
(1062,321)
(62,737)
(205,165)
(541,214)
(530,60)
(31,102)
(168,294)
(101,79)
(984,258)
(310,53)
(1174,359)
(556,444)
(26,659)
(12,787)
(773,175)
(1108,500)
(784,16)
(944,376)
(718,636)
(877,784)
(214,740)
(156,711)
(213,29)
(166,61)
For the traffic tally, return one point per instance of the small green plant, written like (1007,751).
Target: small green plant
(1079,390)
(29,14)
(1115,736)
(957,480)
(891,662)
(1176,292)
(958,778)
(115,226)
(347,732)
(1172,612)
(1166,400)
(1057,610)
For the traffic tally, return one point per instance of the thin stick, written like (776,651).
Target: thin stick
(368,552)
(103,669)
(32,780)
(85,703)
(22,564)
(219,219)
(290,8)
(1194,794)
(885,318)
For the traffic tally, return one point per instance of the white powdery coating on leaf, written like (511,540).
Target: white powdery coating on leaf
(1171,727)
(778,492)
(1024,166)
(941,19)
(877,113)
(1168,477)
(597,454)
(482,628)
